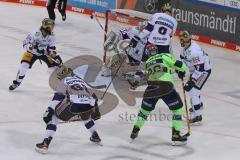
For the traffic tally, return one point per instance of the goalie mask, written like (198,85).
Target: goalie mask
(47,25)
(185,38)
(166,8)
(64,72)
(143,25)
(151,50)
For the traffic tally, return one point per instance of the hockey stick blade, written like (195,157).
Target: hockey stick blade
(187,134)
(94,87)
(98,87)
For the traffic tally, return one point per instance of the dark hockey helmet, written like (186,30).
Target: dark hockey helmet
(166,8)
(185,38)
(151,50)
(64,72)
(47,25)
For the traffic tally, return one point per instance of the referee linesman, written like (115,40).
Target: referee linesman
(62,4)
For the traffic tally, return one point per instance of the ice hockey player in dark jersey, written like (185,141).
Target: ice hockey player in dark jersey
(159,68)
(71,102)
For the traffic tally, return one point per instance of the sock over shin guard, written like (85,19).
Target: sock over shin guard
(142,117)
(177,119)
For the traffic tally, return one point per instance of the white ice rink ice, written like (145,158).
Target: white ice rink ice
(21,125)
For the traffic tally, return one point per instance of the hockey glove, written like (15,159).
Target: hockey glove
(188,86)
(134,41)
(39,49)
(181,75)
(58,60)
(47,117)
(95,97)
(96,114)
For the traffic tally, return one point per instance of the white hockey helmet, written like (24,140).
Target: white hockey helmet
(143,24)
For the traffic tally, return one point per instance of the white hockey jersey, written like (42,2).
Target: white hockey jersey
(76,90)
(129,33)
(163,27)
(36,38)
(196,59)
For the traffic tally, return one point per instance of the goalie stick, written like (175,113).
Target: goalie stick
(93,16)
(94,87)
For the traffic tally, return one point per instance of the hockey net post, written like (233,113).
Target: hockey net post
(117,19)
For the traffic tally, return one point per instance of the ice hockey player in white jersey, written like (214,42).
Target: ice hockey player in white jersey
(199,67)
(134,54)
(72,101)
(159,30)
(39,45)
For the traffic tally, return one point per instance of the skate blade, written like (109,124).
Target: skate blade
(178,143)
(131,140)
(41,150)
(97,143)
(196,124)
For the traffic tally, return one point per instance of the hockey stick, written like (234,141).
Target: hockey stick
(93,16)
(186,109)
(60,65)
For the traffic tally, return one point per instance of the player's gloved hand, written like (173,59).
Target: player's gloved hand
(181,75)
(96,113)
(39,49)
(58,60)
(134,41)
(95,96)
(47,117)
(188,86)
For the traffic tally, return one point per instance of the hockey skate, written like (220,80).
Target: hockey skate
(134,133)
(64,17)
(14,85)
(95,138)
(177,139)
(43,147)
(195,120)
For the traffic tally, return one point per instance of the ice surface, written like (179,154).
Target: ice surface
(21,125)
